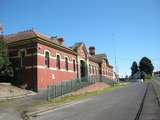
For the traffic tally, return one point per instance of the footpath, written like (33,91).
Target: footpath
(151,108)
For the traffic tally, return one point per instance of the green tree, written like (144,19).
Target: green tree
(146,66)
(4,60)
(5,65)
(134,68)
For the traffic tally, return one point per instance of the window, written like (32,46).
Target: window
(66,63)
(47,58)
(22,56)
(58,63)
(74,65)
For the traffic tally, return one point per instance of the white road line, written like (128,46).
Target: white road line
(63,106)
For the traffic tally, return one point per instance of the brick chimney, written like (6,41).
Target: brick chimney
(59,41)
(92,50)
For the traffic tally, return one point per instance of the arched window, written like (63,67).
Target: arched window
(66,63)
(47,58)
(22,56)
(58,63)
(74,65)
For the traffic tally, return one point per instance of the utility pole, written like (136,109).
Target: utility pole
(115,58)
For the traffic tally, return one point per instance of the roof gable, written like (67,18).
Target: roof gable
(81,49)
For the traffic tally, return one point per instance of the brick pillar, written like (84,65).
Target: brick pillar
(78,67)
(87,67)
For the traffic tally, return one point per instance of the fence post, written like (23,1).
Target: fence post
(71,85)
(48,93)
(61,90)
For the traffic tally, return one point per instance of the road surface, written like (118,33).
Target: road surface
(120,104)
(151,109)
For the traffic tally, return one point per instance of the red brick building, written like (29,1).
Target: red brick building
(41,60)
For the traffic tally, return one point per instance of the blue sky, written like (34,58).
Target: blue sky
(129,29)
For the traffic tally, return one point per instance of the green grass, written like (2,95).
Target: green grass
(71,98)
(1,102)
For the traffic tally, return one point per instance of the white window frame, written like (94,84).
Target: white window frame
(49,57)
(67,62)
(60,60)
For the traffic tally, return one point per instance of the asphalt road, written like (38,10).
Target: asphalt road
(120,104)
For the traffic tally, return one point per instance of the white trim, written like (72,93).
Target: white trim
(74,59)
(70,62)
(29,55)
(54,58)
(70,71)
(51,68)
(67,62)
(39,54)
(74,65)
(62,70)
(21,51)
(59,55)
(62,60)
(43,55)
(82,59)
(40,66)
(28,67)
(19,54)
(15,57)
(65,56)
(47,51)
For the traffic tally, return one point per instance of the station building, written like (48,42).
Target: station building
(40,60)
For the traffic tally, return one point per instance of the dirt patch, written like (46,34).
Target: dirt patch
(7,90)
(92,88)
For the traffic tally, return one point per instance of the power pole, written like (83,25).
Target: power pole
(115,58)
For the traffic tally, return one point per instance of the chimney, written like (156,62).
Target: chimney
(53,37)
(92,50)
(60,41)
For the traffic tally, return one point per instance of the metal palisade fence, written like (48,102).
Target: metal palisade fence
(66,87)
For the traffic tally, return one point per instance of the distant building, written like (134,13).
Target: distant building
(41,60)
(137,75)
(156,73)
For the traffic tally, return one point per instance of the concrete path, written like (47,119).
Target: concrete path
(120,104)
(151,109)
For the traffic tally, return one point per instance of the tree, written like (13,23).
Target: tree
(5,65)
(134,68)
(146,66)
(4,60)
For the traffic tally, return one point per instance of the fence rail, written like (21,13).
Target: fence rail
(74,85)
